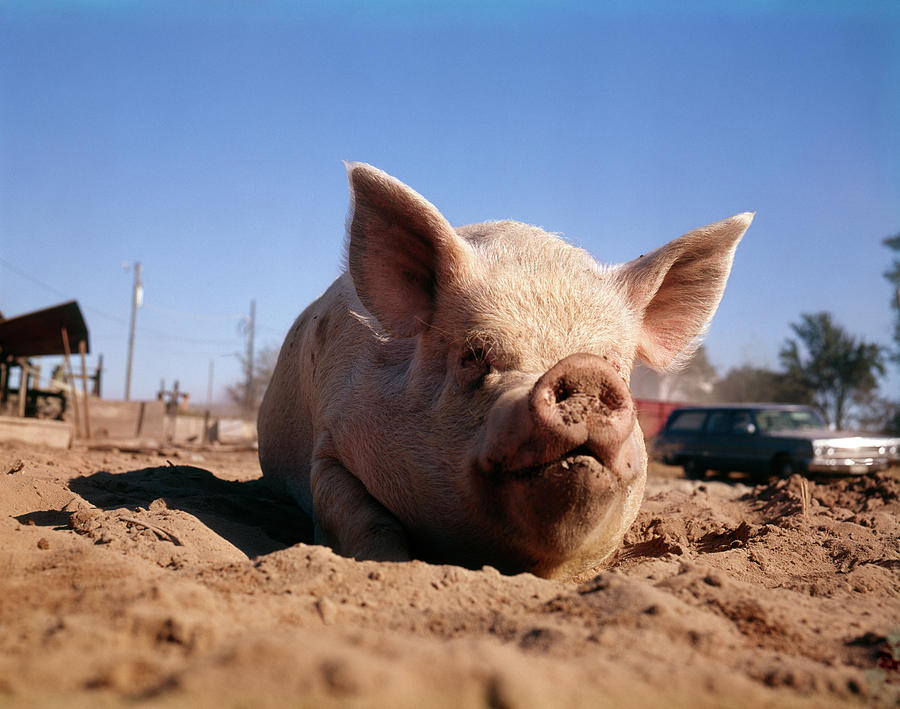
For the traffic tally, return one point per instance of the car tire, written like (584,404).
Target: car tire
(693,470)
(783,468)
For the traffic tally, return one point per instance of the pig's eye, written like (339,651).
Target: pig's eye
(472,356)
(473,365)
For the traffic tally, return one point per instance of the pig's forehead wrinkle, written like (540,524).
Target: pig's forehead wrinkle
(532,255)
(564,293)
(535,298)
(510,241)
(531,332)
(509,238)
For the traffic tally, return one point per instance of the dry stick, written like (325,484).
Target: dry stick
(804,496)
(82,347)
(65,339)
(163,533)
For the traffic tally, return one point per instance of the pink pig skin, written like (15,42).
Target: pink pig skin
(461,395)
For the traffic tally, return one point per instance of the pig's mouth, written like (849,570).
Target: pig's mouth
(578,460)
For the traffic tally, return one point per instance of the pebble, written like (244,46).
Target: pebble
(327,610)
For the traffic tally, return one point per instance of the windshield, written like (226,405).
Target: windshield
(771,420)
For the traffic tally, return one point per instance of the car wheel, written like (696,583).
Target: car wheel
(783,468)
(693,470)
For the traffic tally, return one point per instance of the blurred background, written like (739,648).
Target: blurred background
(203,141)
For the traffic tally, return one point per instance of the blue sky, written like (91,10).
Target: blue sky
(205,140)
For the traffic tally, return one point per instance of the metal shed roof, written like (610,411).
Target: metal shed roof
(40,333)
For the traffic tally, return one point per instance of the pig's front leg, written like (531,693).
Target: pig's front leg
(349,519)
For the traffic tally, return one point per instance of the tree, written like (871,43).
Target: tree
(698,378)
(263,366)
(831,364)
(749,383)
(879,415)
(693,383)
(893,277)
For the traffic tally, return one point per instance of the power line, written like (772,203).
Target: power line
(34,279)
(65,296)
(156,333)
(193,316)
(178,339)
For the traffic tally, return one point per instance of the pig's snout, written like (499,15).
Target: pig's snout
(580,406)
(582,402)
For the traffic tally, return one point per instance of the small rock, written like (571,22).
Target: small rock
(76,504)
(327,610)
(339,677)
(714,578)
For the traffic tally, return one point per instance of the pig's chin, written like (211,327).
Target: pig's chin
(567,508)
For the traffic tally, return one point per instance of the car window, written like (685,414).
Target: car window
(743,423)
(790,420)
(719,422)
(768,420)
(687,421)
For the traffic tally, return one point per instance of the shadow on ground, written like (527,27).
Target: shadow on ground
(247,514)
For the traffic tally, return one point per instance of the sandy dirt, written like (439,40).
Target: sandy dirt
(174,579)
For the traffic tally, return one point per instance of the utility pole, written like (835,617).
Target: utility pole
(250,393)
(209,386)
(137,299)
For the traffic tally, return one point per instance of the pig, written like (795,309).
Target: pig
(461,395)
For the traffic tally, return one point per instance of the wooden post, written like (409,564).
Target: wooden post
(82,347)
(97,376)
(4,369)
(65,339)
(173,410)
(23,385)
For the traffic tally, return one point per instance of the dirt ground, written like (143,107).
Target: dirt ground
(174,579)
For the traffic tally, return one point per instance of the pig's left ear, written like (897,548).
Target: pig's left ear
(400,250)
(677,288)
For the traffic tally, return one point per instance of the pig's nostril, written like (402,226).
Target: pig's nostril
(612,398)
(562,390)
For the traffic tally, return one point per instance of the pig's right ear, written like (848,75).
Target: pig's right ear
(400,248)
(677,288)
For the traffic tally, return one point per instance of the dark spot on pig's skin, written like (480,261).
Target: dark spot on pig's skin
(295,331)
(321,327)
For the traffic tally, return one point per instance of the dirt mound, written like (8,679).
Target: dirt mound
(181,581)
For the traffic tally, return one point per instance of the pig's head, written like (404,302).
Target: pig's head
(518,439)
